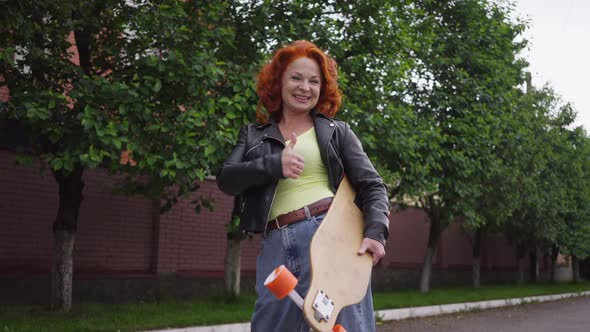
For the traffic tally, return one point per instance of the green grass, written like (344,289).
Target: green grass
(127,317)
(413,298)
(217,310)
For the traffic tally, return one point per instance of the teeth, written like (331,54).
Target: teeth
(302,97)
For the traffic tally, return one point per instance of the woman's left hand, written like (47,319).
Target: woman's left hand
(374,247)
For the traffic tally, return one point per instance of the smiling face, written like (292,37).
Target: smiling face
(301,86)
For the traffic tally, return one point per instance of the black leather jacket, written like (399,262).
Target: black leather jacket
(254,168)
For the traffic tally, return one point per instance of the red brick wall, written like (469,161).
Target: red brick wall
(195,243)
(408,236)
(456,247)
(116,233)
(120,234)
(28,203)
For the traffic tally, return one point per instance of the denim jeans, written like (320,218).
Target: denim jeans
(290,246)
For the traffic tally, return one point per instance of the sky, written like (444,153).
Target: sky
(559,50)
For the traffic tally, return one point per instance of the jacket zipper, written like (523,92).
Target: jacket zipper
(252,148)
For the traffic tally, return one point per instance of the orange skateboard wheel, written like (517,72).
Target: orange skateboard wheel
(338,328)
(280,282)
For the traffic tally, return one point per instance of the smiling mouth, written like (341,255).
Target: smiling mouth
(303,98)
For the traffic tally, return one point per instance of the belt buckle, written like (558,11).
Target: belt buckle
(277,224)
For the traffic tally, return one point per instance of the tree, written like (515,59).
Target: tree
(499,187)
(368,40)
(467,68)
(535,159)
(570,233)
(129,86)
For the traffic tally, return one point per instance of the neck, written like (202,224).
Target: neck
(297,123)
(293,120)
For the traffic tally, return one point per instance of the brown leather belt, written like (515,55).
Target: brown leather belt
(315,208)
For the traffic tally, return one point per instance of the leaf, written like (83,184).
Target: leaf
(56,164)
(157,86)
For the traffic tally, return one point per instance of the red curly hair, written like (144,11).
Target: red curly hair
(269,85)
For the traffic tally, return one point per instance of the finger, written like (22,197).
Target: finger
(291,173)
(362,250)
(300,158)
(299,171)
(293,140)
(374,248)
(377,255)
(299,165)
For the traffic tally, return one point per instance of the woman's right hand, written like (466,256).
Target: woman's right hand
(292,162)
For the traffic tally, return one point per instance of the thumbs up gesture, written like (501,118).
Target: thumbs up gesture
(292,162)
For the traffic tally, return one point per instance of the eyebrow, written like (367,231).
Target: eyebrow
(298,73)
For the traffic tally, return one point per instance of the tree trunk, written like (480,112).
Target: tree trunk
(476,265)
(553,268)
(62,270)
(433,238)
(534,264)
(232,261)
(521,253)
(64,234)
(576,269)
(427,270)
(232,266)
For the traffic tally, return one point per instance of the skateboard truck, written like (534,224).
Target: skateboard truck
(323,306)
(281,283)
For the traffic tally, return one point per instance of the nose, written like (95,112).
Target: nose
(304,85)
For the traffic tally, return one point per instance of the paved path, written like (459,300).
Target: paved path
(571,315)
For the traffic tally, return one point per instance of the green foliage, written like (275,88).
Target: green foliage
(97,79)
(545,161)
(431,88)
(233,226)
(465,78)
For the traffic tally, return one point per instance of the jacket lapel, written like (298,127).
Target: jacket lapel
(324,127)
(270,130)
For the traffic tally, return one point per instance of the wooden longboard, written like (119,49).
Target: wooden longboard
(336,269)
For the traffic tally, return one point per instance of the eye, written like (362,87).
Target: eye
(315,82)
(295,78)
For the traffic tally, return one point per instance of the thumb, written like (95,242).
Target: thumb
(363,249)
(293,140)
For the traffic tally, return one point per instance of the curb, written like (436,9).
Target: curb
(404,313)
(399,314)
(240,327)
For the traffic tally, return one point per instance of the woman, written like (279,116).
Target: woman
(288,167)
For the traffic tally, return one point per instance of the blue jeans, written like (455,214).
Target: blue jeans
(290,246)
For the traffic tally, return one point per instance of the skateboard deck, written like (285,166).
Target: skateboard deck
(339,276)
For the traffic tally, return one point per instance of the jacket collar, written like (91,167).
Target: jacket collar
(271,129)
(324,127)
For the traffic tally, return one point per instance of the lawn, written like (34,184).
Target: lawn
(217,310)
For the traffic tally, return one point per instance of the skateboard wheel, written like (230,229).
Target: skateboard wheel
(338,328)
(280,282)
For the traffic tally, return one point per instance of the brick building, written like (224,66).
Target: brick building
(126,249)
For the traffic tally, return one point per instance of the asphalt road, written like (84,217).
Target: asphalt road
(571,315)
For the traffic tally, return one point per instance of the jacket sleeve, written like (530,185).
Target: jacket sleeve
(371,191)
(237,175)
